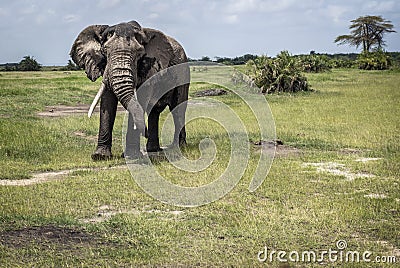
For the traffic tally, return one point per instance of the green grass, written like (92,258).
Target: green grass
(351,114)
(31,143)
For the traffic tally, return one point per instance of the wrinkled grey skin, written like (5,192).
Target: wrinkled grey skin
(126,55)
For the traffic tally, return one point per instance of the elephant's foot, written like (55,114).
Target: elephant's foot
(132,156)
(182,143)
(152,148)
(102,153)
(176,144)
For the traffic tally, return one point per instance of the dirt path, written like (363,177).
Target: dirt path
(79,109)
(53,175)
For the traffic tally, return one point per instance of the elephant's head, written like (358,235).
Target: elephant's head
(118,53)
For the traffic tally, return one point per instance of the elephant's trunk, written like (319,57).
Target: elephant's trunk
(122,77)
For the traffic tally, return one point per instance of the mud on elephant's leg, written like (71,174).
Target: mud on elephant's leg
(102,153)
(108,109)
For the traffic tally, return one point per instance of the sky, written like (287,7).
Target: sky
(226,28)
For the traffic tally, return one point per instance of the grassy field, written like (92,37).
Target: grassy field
(336,177)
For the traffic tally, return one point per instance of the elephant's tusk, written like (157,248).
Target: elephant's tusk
(96,100)
(134,125)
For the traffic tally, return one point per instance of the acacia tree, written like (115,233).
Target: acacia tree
(367,31)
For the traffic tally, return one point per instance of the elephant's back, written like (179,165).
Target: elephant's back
(178,52)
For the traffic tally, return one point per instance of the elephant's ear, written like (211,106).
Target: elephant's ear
(86,51)
(158,46)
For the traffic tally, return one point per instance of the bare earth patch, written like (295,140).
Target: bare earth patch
(211,92)
(352,151)
(105,212)
(367,159)
(64,110)
(79,109)
(195,102)
(337,169)
(376,196)
(61,238)
(83,135)
(281,150)
(51,176)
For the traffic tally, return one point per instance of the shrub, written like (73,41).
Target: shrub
(71,66)
(28,64)
(315,63)
(377,60)
(280,74)
(342,63)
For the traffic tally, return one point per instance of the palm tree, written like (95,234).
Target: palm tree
(367,31)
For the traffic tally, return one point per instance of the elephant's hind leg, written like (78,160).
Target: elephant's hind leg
(178,109)
(153,142)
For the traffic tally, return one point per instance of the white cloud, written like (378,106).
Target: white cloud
(153,16)
(71,18)
(379,6)
(335,12)
(51,11)
(108,3)
(40,19)
(241,6)
(161,7)
(3,12)
(28,9)
(231,19)
(44,16)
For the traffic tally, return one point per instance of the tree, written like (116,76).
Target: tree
(71,66)
(205,58)
(367,31)
(29,64)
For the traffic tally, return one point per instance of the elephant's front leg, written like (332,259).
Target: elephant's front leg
(108,109)
(153,142)
(132,145)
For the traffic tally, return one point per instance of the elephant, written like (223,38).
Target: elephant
(127,55)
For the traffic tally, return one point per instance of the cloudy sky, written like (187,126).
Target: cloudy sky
(46,29)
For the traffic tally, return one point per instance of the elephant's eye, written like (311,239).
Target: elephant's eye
(139,38)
